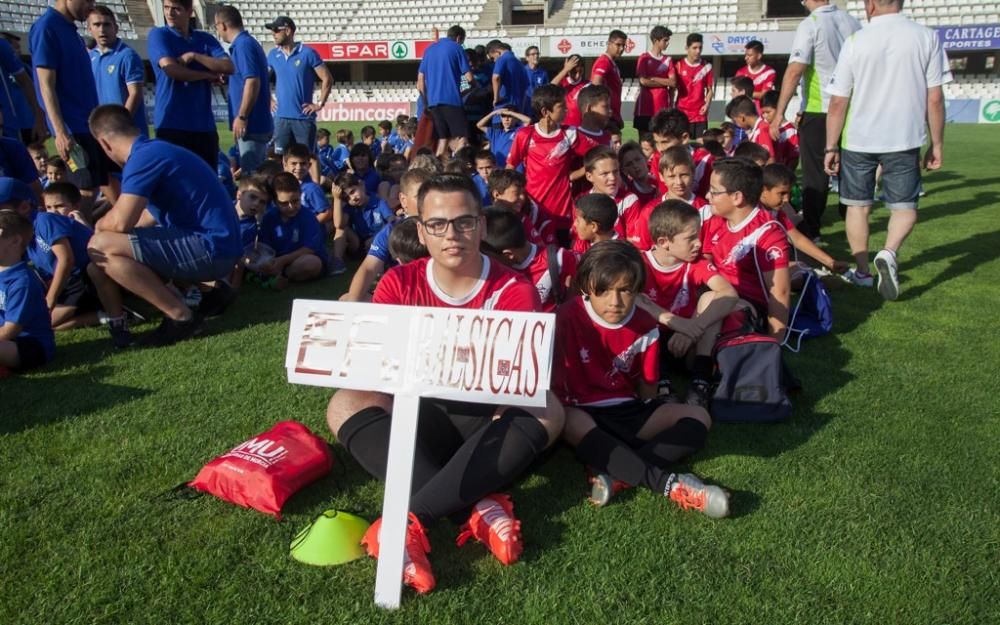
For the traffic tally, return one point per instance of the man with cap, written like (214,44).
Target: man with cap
(296,68)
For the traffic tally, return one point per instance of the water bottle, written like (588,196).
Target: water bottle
(77,158)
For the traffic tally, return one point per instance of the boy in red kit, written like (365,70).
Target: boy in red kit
(605,370)
(505,236)
(747,245)
(458,463)
(595,218)
(676,170)
(676,274)
(547,149)
(763,76)
(632,163)
(670,128)
(743,112)
(605,72)
(657,76)
(695,86)
(507,189)
(604,177)
(570,78)
(595,113)
(786,148)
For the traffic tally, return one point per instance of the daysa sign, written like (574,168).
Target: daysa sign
(735,43)
(591,46)
(986,37)
(362,111)
(469,355)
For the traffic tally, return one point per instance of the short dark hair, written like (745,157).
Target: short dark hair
(285,183)
(229,15)
(187,4)
(742,83)
(449,183)
(100,9)
(504,230)
(672,217)
(528,50)
(456,32)
(646,136)
(597,154)
(670,123)
(617,34)
(111,119)
(297,150)
(385,124)
(347,180)
(599,209)
(740,174)
(37,146)
(401,119)
(776,174)
(323,132)
(57,162)
(753,152)
(367,131)
(629,146)
(714,148)
(545,97)
(590,95)
(755,45)
(404,242)
(12,223)
(660,32)
(496,44)
(713,134)
(677,155)
(741,105)
(694,38)
(606,263)
(484,154)
(66,190)
(502,179)
(256,182)
(769,99)
(360,149)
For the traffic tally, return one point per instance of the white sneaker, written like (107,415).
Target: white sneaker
(855,277)
(888,277)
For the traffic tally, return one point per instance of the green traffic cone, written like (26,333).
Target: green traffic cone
(333,538)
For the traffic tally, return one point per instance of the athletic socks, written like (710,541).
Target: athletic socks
(685,438)
(607,454)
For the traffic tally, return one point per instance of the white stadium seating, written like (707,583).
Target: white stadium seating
(19,15)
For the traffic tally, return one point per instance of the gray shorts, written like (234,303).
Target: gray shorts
(288,131)
(178,255)
(900,178)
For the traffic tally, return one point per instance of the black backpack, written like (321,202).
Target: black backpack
(751,388)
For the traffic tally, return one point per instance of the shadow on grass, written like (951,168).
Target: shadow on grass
(81,393)
(963,256)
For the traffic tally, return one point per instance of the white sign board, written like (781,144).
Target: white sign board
(491,357)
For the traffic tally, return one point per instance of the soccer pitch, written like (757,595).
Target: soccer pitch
(878,502)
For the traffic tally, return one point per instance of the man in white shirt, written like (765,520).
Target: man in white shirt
(888,83)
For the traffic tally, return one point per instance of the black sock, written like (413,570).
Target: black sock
(702,368)
(488,461)
(607,454)
(686,437)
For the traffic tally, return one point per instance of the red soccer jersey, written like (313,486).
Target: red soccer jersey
(637,222)
(580,246)
(653,99)
(761,135)
(539,226)
(548,161)
(763,79)
(600,364)
(702,173)
(692,82)
(498,288)
(588,140)
(606,68)
(780,217)
(536,269)
(644,193)
(786,150)
(743,253)
(572,108)
(676,288)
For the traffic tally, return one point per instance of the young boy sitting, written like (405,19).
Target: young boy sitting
(294,235)
(507,185)
(747,245)
(379,257)
(251,202)
(677,174)
(361,166)
(357,216)
(675,275)
(40,156)
(739,86)
(670,128)
(56,170)
(505,235)
(743,112)
(297,161)
(595,218)
(632,163)
(753,152)
(26,338)
(605,372)
(329,165)
(369,139)
(485,164)
(63,198)
(603,177)
(404,242)
(786,148)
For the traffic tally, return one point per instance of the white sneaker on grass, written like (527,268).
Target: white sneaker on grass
(888,276)
(855,277)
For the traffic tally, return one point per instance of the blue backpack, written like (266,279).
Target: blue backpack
(812,314)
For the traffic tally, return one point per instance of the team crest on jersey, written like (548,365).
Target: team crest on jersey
(651,292)
(584,354)
(111,69)
(298,62)
(774,253)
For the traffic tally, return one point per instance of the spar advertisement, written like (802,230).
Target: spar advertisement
(390,50)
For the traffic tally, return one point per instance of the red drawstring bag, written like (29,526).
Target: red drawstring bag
(263,472)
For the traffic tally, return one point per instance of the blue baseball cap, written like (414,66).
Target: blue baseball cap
(13,190)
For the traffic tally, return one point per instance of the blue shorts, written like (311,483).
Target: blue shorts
(178,255)
(253,151)
(288,131)
(900,178)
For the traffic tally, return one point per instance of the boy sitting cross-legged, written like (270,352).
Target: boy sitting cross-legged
(252,199)
(297,161)
(357,216)
(294,234)
(605,371)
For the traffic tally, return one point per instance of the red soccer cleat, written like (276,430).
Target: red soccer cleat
(603,487)
(492,523)
(417,572)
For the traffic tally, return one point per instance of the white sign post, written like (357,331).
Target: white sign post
(480,356)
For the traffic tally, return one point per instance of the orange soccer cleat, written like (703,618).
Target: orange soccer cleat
(492,523)
(417,572)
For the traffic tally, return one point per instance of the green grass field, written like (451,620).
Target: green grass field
(878,502)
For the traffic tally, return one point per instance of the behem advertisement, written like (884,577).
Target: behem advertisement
(974,37)
(518,44)
(362,111)
(591,46)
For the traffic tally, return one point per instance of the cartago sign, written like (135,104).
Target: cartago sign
(970,37)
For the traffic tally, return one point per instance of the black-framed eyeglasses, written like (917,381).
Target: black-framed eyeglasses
(439,226)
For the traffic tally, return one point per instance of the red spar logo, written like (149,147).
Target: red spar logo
(565,46)
(629,45)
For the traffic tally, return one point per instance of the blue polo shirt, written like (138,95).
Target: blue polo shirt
(301,230)
(22,301)
(56,45)
(514,80)
(114,70)
(484,189)
(294,79)
(182,105)
(313,198)
(380,245)
(328,163)
(9,66)
(15,161)
(248,231)
(537,77)
(501,142)
(250,62)
(443,66)
(367,220)
(183,193)
(51,228)
(371,180)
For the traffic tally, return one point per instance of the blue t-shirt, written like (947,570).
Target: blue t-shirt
(327,161)
(340,155)
(248,231)
(299,231)
(395,142)
(537,77)
(294,79)
(443,66)
(484,189)
(182,105)
(51,228)
(313,198)
(113,71)
(367,220)
(380,245)
(183,193)
(15,161)
(501,142)
(514,80)
(376,148)
(22,301)
(234,154)
(371,180)
(10,65)
(225,174)
(56,45)
(250,61)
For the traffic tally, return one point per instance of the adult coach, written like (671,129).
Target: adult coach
(118,69)
(511,82)
(537,75)
(817,44)
(187,63)
(605,72)
(249,89)
(438,79)
(172,221)
(893,59)
(657,76)
(465,452)
(296,68)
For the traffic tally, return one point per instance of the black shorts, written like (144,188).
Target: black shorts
(449,121)
(624,420)
(30,352)
(641,123)
(80,293)
(698,129)
(99,165)
(204,144)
